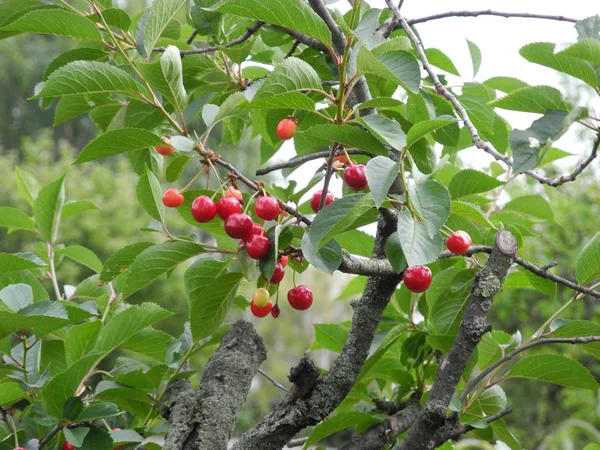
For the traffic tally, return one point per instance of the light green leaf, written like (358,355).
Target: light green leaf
(10,393)
(98,411)
(158,17)
(439,59)
(338,423)
(418,247)
(470,181)
(472,212)
(77,207)
(447,312)
(121,260)
(353,289)
(505,84)
(588,262)
(530,281)
(330,336)
(397,67)
(156,260)
(347,135)
(149,342)
(176,167)
(82,256)
(475,56)
(116,142)
(555,369)
(586,49)
(422,129)
(267,264)
(294,14)
(80,339)
(356,242)
(48,207)
(149,194)
(581,328)
(432,201)
(125,436)
(381,173)
(328,258)
(532,205)
(17,296)
(534,99)
(58,22)
(229,108)
(290,100)
(386,130)
(77,54)
(76,435)
(27,184)
(13,218)
(502,433)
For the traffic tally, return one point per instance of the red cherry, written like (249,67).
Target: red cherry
(238,226)
(227,206)
(300,297)
(356,177)
(261,311)
(275,311)
(267,208)
(417,278)
(278,274)
(286,128)
(165,150)
(257,246)
(204,209)
(233,192)
(68,446)
(257,229)
(172,198)
(284,260)
(316,200)
(459,242)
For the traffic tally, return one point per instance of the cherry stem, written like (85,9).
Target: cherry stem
(250,201)
(294,278)
(181,191)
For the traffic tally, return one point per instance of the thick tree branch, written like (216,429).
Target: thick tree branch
(486,285)
(337,35)
(205,419)
(299,160)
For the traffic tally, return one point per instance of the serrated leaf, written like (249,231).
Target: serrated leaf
(588,261)
(47,209)
(502,433)
(555,369)
(447,312)
(381,173)
(116,142)
(422,129)
(176,167)
(122,259)
(57,22)
(472,212)
(77,54)
(149,342)
(337,423)
(534,99)
(431,199)
(149,194)
(470,181)
(82,255)
(532,205)
(229,108)
(530,281)
(76,207)
(585,49)
(267,264)
(17,296)
(386,130)
(330,336)
(505,84)
(580,328)
(398,67)
(357,242)
(98,439)
(418,247)
(98,411)
(475,56)
(80,339)
(76,435)
(10,393)
(439,59)
(158,17)
(394,253)
(328,258)
(13,218)
(27,184)
(347,135)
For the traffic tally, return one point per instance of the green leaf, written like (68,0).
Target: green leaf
(293,14)
(10,393)
(527,280)
(17,296)
(82,256)
(381,173)
(505,84)
(338,423)
(330,336)
(418,247)
(76,435)
(347,135)
(211,290)
(77,207)
(58,22)
(158,17)
(149,342)
(104,115)
(97,439)
(394,253)
(156,260)
(80,339)
(386,130)
(149,194)
(117,18)
(432,201)
(13,218)
(121,260)
(472,212)
(475,98)
(542,53)
(98,411)
(116,142)
(125,436)
(586,49)
(470,181)
(446,313)
(267,264)
(502,433)
(27,184)
(422,129)
(475,56)
(353,289)
(534,99)
(176,167)
(77,54)
(555,369)
(440,59)
(19,261)
(588,262)
(356,242)
(328,258)
(229,108)
(398,67)
(47,209)
(581,328)
(532,205)
(90,77)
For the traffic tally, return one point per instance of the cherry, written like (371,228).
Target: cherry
(227,206)
(257,229)
(238,225)
(204,209)
(417,278)
(315,201)
(278,274)
(287,128)
(257,246)
(284,260)
(68,446)
(356,177)
(172,198)
(233,192)
(23,448)
(300,297)
(459,242)
(275,311)
(261,311)
(261,297)
(165,150)
(267,208)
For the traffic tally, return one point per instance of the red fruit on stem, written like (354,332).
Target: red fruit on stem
(261,297)
(227,206)
(165,150)
(356,177)
(275,311)
(267,208)
(172,198)
(238,226)
(284,260)
(204,209)
(257,246)
(286,128)
(300,297)
(233,192)
(278,274)
(68,446)
(315,201)
(257,229)
(417,278)
(261,311)
(459,242)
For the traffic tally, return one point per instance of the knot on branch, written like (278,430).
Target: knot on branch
(304,376)
(486,285)
(434,415)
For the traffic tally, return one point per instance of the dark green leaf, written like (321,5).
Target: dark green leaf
(118,141)
(588,261)
(555,369)
(470,181)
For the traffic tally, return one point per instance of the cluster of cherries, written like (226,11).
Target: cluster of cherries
(68,446)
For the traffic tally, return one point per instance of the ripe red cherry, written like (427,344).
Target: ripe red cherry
(275,311)
(238,226)
(257,246)
(257,229)
(165,150)
(68,446)
(172,198)
(284,260)
(286,128)
(459,242)
(356,177)
(227,206)
(278,274)
(417,278)
(204,209)
(315,201)
(267,208)
(233,192)
(300,297)
(261,311)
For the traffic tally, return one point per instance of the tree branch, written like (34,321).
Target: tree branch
(489,12)
(305,39)
(458,432)
(486,285)
(299,160)
(337,35)
(205,419)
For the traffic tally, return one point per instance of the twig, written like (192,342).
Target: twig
(293,49)
(57,428)
(53,272)
(489,12)
(299,160)
(273,381)
(192,37)
(458,432)
(296,442)
(305,39)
